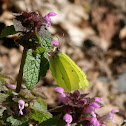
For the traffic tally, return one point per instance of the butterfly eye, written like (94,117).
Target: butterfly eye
(55,50)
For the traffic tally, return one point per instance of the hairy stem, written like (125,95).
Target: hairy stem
(19,79)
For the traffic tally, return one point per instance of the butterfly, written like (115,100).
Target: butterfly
(66,73)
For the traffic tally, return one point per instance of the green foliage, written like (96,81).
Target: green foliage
(1,111)
(44,66)
(3,97)
(18,25)
(37,40)
(38,116)
(3,89)
(45,38)
(27,94)
(32,68)
(55,121)
(41,102)
(37,64)
(9,30)
(17,122)
(40,50)
(39,112)
(2,80)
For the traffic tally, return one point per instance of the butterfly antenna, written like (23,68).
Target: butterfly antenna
(58,41)
(63,38)
(62,41)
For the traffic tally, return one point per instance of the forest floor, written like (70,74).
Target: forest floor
(92,33)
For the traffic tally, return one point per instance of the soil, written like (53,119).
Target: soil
(92,33)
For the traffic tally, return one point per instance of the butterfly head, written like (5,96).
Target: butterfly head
(55,49)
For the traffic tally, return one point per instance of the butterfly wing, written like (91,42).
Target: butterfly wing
(59,73)
(76,75)
(66,73)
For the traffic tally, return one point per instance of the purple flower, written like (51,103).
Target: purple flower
(91,108)
(10,86)
(68,119)
(95,105)
(85,101)
(81,108)
(21,104)
(60,90)
(109,116)
(93,121)
(62,97)
(55,43)
(47,18)
(51,14)
(98,99)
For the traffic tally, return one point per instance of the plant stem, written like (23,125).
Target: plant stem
(19,79)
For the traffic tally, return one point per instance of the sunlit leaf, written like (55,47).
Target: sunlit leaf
(9,30)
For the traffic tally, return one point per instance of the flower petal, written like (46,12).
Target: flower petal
(114,111)
(68,118)
(95,105)
(10,86)
(55,42)
(51,14)
(60,90)
(21,104)
(98,99)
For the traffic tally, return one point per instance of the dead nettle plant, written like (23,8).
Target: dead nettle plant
(20,105)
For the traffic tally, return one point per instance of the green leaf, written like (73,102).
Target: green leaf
(45,38)
(38,94)
(27,94)
(4,76)
(18,26)
(2,87)
(40,106)
(41,102)
(9,30)
(40,50)
(3,97)
(15,122)
(2,81)
(36,66)
(44,66)
(39,112)
(38,116)
(55,121)
(2,109)
(32,68)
